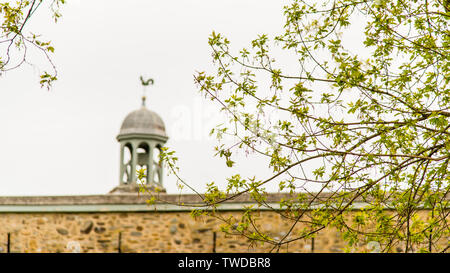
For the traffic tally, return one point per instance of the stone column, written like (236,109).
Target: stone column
(151,147)
(160,173)
(122,166)
(133,162)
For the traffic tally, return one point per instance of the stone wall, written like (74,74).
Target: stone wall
(135,232)
(100,229)
(143,232)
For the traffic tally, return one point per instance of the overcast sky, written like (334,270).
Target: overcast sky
(62,141)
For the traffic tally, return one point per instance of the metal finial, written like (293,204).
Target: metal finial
(144,85)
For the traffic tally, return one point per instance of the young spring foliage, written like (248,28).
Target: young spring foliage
(16,40)
(359,130)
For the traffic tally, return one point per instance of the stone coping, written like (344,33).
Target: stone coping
(132,203)
(126,199)
(138,199)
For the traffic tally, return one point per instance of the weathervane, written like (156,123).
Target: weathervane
(144,86)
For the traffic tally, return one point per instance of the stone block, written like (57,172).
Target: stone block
(62,231)
(87,227)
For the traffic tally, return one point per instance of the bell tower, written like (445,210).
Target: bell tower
(141,137)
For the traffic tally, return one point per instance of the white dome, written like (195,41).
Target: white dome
(142,122)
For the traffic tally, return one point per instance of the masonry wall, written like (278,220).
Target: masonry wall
(144,232)
(140,232)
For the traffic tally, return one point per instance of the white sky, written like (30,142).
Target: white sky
(62,142)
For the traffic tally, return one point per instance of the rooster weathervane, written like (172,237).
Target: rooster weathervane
(145,83)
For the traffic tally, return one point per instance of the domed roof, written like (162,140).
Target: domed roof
(142,122)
